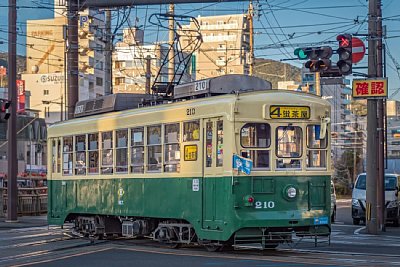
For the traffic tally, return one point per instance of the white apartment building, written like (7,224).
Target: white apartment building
(225,48)
(46,61)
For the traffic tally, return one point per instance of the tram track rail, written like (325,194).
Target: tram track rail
(83,246)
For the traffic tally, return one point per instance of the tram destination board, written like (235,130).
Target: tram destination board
(289,112)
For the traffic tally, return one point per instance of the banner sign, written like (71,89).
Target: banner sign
(242,164)
(21,95)
(370,88)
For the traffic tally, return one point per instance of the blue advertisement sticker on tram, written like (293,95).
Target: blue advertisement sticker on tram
(242,164)
(321,220)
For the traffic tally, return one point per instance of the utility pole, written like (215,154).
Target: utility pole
(72,61)
(171,54)
(64,103)
(12,190)
(381,126)
(251,37)
(375,172)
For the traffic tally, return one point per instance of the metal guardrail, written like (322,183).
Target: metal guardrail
(31,201)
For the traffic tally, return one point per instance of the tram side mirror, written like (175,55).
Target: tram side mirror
(323,128)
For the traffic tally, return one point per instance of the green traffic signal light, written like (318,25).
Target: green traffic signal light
(300,53)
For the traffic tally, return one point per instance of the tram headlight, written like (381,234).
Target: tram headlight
(291,192)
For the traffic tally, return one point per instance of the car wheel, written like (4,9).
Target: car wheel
(356,221)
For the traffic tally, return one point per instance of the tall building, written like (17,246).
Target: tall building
(225,48)
(46,61)
(130,63)
(338,93)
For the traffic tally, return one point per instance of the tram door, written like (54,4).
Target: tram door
(213,132)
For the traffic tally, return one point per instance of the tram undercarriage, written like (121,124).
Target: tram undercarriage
(174,233)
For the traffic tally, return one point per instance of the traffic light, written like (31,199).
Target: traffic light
(4,110)
(345,54)
(319,57)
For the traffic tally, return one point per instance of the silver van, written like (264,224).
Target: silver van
(392,199)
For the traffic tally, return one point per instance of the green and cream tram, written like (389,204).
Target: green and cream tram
(170,171)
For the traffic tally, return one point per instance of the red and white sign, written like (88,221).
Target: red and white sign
(357,49)
(21,96)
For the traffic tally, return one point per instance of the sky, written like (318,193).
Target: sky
(280,26)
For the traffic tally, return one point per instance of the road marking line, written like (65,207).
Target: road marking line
(357,231)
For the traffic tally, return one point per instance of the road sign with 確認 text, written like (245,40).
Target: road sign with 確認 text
(370,88)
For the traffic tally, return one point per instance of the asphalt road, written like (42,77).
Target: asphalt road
(348,246)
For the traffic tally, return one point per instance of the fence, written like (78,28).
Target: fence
(31,201)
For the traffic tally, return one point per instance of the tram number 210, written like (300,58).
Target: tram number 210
(264,205)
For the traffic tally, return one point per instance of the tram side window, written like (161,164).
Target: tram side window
(107,152)
(122,151)
(191,131)
(220,143)
(288,147)
(256,137)
(67,155)
(93,153)
(316,148)
(154,154)
(80,155)
(209,143)
(54,156)
(59,159)
(171,148)
(137,150)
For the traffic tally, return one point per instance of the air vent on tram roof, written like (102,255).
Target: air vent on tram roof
(108,103)
(221,85)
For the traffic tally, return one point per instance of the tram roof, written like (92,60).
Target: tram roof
(267,96)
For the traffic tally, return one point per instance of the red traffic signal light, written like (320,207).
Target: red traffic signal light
(4,109)
(344,51)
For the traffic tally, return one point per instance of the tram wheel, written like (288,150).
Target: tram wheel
(212,247)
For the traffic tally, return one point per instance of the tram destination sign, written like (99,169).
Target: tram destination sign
(289,112)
